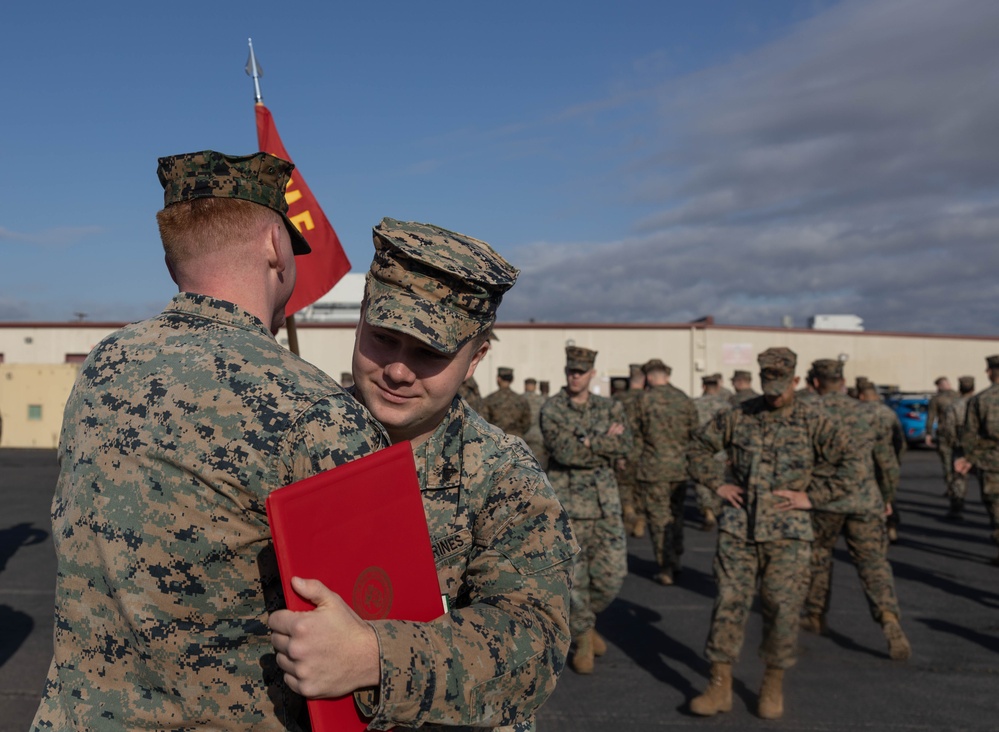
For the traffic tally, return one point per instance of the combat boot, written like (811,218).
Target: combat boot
(709,520)
(665,577)
(582,659)
(898,645)
(772,694)
(814,624)
(718,696)
(629,517)
(599,644)
(639,527)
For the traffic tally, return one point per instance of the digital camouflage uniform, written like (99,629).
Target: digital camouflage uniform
(708,405)
(508,410)
(583,478)
(666,419)
(502,541)
(888,456)
(625,470)
(861,520)
(502,544)
(533,437)
(980,441)
(176,431)
(795,448)
(469,391)
(934,412)
(950,430)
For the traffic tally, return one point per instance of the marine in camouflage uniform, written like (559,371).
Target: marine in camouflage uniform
(980,442)
(624,468)
(712,401)
(502,541)
(950,430)
(887,452)
(505,408)
(533,437)
(665,419)
(469,391)
(934,412)
(585,434)
(785,457)
(742,383)
(176,431)
(860,520)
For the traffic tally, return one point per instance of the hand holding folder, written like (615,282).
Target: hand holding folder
(360,529)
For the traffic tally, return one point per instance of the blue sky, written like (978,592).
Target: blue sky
(639,161)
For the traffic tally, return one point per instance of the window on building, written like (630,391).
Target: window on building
(34,412)
(76,357)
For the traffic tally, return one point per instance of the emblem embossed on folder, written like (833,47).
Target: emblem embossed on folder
(373,594)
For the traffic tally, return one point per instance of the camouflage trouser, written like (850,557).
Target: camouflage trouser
(707,499)
(598,571)
(781,568)
(867,543)
(990,497)
(951,478)
(664,507)
(626,487)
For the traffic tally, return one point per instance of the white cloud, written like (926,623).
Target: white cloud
(847,167)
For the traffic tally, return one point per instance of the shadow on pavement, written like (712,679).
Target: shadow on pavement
(15,627)
(17,536)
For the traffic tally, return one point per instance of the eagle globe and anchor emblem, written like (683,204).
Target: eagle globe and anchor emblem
(373,594)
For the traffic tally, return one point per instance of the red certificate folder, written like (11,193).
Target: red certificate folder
(360,529)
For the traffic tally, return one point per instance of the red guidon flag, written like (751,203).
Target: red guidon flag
(323,268)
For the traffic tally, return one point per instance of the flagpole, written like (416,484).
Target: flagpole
(253,69)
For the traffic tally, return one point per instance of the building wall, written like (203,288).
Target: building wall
(32,399)
(910,362)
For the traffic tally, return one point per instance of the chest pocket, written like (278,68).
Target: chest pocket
(451,554)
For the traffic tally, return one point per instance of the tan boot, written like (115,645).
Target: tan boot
(898,645)
(639,528)
(710,521)
(582,659)
(629,516)
(599,644)
(814,624)
(772,694)
(718,696)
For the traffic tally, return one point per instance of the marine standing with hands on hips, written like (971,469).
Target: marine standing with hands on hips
(785,457)
(502,542)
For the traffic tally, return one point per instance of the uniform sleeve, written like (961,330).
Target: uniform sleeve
(331,432)
(614,446)
(707,441)
(886,467)
(839,467)
(524,419)
(495,657)
(564,439)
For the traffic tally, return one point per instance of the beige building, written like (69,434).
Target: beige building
(38,361)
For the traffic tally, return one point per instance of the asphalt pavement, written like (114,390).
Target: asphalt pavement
(844,681)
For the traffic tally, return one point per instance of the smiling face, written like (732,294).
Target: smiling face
(407,385)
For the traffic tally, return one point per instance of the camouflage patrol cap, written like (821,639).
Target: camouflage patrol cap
(260,178)
(579,359)
(711,379)
(740,374)
(441,287)
(966,383)
(635,369)
(530,380)
(992,362)
(654,364)
(505,373)
(544,386)
(827,368)
(777,369)
(863,382)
